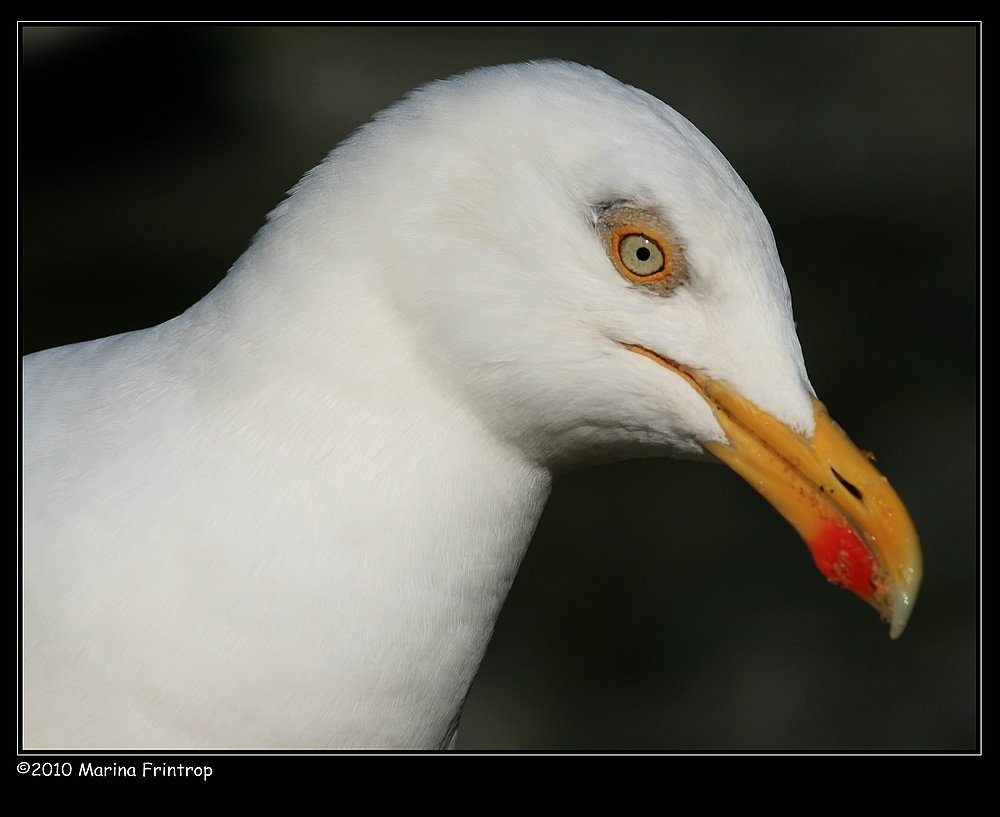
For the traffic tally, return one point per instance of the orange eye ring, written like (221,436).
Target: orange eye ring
(640,257)
(642,246)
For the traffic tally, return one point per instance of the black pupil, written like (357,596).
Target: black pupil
(642,253)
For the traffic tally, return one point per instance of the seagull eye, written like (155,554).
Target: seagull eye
(641,258)
(642,246)
(640,255)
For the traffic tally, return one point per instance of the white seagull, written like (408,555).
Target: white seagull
(289,516)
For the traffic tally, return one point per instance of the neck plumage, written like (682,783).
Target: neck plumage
(345,532)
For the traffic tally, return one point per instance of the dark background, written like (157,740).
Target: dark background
(149,156)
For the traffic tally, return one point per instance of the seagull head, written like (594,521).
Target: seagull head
(586,270)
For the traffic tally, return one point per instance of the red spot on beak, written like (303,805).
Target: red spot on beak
(843,558)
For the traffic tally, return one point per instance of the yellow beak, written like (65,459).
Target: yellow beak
(858,530)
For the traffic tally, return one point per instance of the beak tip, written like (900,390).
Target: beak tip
(900,610)
(900,616)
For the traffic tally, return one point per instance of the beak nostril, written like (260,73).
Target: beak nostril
(850,488)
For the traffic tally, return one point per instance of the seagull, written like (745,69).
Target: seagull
(289,517)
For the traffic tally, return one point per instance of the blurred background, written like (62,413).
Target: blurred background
(149,156)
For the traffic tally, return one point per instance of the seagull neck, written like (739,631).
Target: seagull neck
(405,514)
